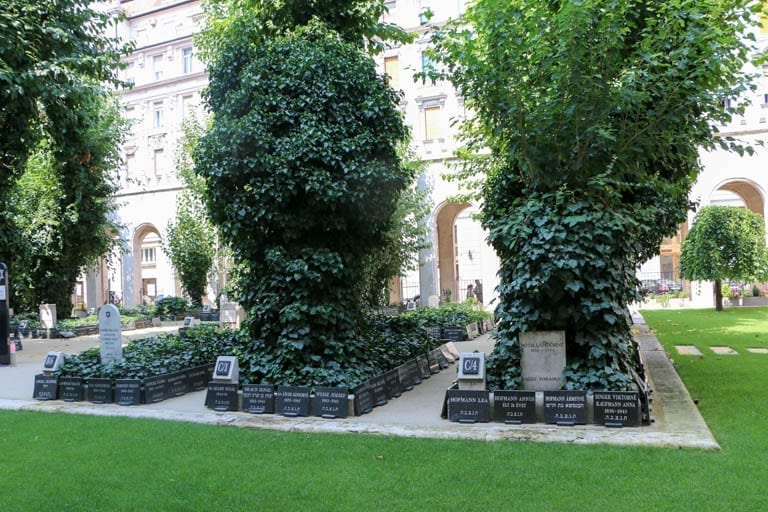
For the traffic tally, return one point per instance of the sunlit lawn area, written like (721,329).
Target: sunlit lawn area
(64,462)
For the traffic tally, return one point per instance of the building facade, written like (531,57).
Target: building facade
(167,81)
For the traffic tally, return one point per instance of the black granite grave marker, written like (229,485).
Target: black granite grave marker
(330,402)
(617,408)
(221,397)
(363,399)
(565,407)
(409,375)
(99,391)
(514,407)
(45,387)
(378,386)
(292,400)
(176,383)
(128,391)
(394,388)
(259,398)
(199,376)
(155,389)
(423,363)
(468,405)
(71,389)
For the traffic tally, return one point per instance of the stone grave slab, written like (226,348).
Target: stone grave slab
(468,406)
(330,402)
(259,398)
(758,350)
(110,334)
(514,407)
(724,351)
(687,350)
(292,400)
(617,408)
(542,360)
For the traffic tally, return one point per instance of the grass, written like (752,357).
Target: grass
(64,462)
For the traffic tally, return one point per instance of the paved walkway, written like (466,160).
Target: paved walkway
(415,414)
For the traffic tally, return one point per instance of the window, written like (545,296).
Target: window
(157,66)
(426,63)
(157,114)
(157,162)
(392,70)
(130,72)
(433,128)
(130,166)
(765,99)
(187,106)
(186,61)
(148,255)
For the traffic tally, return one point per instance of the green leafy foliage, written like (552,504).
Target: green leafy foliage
(303,177)
(725,243)
(170,307)
(448,314)
(589,116)
(54,61)
(191,238)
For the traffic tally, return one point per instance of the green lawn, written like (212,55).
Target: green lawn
(64,462)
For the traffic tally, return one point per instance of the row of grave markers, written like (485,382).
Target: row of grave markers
(566,408)
(326,402)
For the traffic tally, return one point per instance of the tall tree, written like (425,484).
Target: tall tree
(63,205)
(55,61)
(303,178)
(589,116)
(191,238)
(725,243)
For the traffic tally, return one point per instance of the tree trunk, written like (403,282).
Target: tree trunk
(718,295)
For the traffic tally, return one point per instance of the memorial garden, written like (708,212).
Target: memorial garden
(588,122)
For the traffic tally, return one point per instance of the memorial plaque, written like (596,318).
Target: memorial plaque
(128,391)
(155,389)
(259,398)
(565,407)
(363,399)
(434,364)
(394,388)
(378,387)
(110,334)
(617,408)
(221,396)
(198,377)
(176,383)
(514,407)
(447,354)
(292,400)
(542,360)
(46,387)
(409,375)
(227,369)
(71,389)
(423,363)
(468,406)
(99,391)
(330,402)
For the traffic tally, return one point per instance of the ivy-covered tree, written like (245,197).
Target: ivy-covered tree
(725,243)
(53,56)
(589,116)
(303,175)
(190,242)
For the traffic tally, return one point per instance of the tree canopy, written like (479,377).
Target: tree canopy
(55,65)
(726,243)
(589,115)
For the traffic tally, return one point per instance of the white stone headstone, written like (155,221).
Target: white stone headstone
(433,301)
(542,360)
(472,370)
(110,334)
(48,316)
